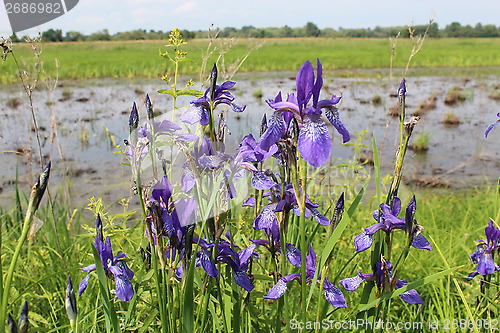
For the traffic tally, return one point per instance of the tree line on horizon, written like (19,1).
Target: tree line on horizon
(452,30)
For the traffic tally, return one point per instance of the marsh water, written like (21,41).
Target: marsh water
(80,123)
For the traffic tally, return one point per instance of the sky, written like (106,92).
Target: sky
(125,15)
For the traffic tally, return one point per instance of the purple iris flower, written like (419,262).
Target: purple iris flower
(492,126)
(383,278)
(280,202)
(114,266)
(199,111)
(145,136)
(389,221)
(238,261)
(484,255)
(314,141)
(332,294)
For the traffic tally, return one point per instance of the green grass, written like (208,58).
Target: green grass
(452,221)
(139,59)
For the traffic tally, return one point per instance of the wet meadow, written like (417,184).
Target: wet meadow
(262,186)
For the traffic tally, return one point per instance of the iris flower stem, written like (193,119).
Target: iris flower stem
(303,237)
(160,291)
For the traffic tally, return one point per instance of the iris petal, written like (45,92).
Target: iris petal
(243,280)
(333,295)
(262,182)
(124,288)
(332,114)
(314,140)
(420,242)
(353,283)
(274,131)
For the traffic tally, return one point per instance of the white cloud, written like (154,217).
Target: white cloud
(188,7)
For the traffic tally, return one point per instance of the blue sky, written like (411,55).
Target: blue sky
(125,15)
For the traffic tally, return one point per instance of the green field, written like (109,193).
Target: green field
(141,59)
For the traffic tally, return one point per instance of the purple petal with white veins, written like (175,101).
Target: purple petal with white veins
(353,283)
(262,182)
(210,161)
(486,264)
(246,253)
(83,285)
(363,241)
(266,218)
(278,290)
(320,218)
(332,114)
(168,223)
(243,280)
(124,288)
(333,295)
(188,180)
(195,114)
(314,141)
(420,242)
(293,255)
(237,108)
(274,131)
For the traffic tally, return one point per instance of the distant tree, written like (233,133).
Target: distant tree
(311,30)
(186,34)
(286,31)
(52,35)
(100,35)
(228,32)
(73,36)
(453,30)
(490,30)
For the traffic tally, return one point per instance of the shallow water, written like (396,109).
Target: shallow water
(81,114)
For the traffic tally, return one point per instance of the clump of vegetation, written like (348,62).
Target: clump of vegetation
(426,105)
(455,94)
(66,94)
(421,143)
(258,93)
(451,118)
(13,102)
(494,93)
(377,99)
